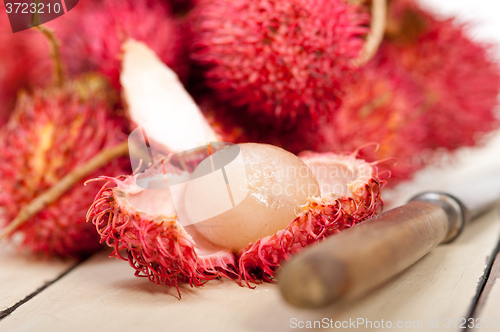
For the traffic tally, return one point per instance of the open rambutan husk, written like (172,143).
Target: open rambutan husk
(52,132)
(429,88)
(158,247)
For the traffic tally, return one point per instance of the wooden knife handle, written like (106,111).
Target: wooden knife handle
(349,264)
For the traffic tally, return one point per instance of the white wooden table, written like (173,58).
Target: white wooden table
(101,294)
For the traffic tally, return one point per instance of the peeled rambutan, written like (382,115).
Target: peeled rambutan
(236,211)
(52,132)
(278,58)
(91,36)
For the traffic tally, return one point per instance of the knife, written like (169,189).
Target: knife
(357,260)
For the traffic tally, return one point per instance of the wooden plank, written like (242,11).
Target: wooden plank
(102,294)
(22,274)
(487,313)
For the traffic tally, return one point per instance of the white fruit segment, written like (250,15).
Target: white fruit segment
(158,102)
(268,186)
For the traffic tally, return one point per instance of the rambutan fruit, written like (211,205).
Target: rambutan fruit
(91,36)
(278,58)
(458,76)
(429,87)
(51,133)
(384,106)
(238,212)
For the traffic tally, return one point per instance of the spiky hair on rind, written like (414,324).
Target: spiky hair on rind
(159,248)
(278,58)
(52,132)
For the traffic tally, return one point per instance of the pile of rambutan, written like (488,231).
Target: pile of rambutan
(289,85)
(429,86)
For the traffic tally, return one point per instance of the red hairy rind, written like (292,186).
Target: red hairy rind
(50,133)
(278,58)
(458,76)
(429,88)
(159,248)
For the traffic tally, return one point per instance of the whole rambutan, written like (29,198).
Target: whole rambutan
(91,36)
(458,76)
(429,87)
(52,132)
(383,106)
(278,58)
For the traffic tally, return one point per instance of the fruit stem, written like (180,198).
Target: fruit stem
(377,27)
(55,53)
(52,194)
(54,45)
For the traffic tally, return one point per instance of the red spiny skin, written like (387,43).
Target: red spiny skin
(458,77)
(429,87)
(278,58)
(50,133)
(91,36)
(437,90)
(159,248)
(384,106)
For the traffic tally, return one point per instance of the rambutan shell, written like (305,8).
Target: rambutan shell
(277,58)
(51,132)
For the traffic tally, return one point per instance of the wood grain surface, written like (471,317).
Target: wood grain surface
(487,311)
(103,295)
(21,275)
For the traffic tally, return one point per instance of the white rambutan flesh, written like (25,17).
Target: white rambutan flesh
(267,185)
(157,101)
